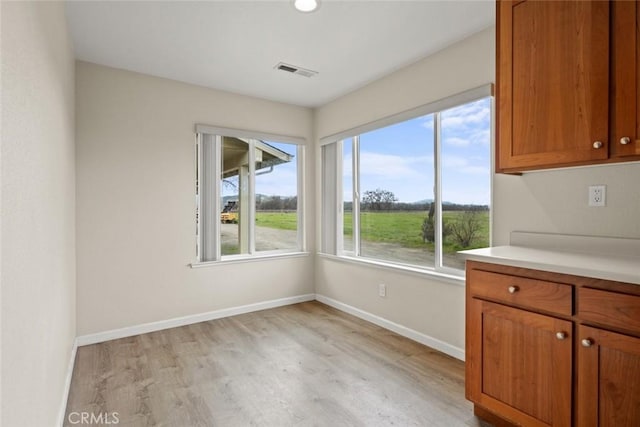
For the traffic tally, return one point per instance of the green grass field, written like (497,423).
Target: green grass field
(402,228)
(279,220)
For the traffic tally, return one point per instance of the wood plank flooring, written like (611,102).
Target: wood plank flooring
(304,365)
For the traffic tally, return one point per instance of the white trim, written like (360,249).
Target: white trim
(188,320)
(260,256)
(355,196)
(442,104)
(300,192)
(239,133)
(437,188)
(338,232)
(251,226)
(67,384)
(329,186)
(414,335)
(398,268)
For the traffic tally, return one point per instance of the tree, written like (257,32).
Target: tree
(429,228)
(378,199)
(466,227)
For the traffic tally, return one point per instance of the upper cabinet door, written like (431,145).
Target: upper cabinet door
(625,70)
(552,83)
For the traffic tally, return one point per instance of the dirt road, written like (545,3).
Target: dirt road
(268,239)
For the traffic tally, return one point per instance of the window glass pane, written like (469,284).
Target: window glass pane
(234,237)
(396,191)
(347,194)
(276,173)
(466,179)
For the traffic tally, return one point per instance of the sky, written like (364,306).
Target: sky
(399,158)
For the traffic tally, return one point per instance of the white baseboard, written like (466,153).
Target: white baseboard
(67,384)
(434,343)
(188,320)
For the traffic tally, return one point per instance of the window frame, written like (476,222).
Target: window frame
(435,108)
(208,167)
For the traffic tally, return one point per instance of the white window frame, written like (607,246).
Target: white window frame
(335,194)
(208,192)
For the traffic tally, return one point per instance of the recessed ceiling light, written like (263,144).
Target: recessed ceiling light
(305,5)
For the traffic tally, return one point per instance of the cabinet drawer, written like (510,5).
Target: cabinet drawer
(536,294)
(609,308)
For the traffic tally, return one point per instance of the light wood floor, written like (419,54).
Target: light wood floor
(306,364)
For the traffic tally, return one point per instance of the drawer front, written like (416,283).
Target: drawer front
(610,308)
(535,294)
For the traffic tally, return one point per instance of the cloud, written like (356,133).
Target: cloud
(477,112)
(464,165)
(457,142)
(465,125)
(467,195)
(468,124)
(428,123)
(281,182)
(394,167)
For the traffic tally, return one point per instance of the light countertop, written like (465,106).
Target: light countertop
(608,264)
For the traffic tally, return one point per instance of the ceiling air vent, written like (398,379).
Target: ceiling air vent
(295,70)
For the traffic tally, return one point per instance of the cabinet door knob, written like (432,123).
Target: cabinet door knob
(625,140)
(587,342)
(561,335)
(513,289)
(597,144)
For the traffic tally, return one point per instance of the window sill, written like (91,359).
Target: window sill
(239,259)
(423,272)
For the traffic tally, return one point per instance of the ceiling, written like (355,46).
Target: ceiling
(235,45)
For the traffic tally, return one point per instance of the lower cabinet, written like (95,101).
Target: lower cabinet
(608,379)
(521,363)
(532,359)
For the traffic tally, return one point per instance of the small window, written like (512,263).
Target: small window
(247,196)
(414,192)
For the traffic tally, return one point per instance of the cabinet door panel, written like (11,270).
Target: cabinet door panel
(553,83)
(625,70)
(608,379)
(523,369)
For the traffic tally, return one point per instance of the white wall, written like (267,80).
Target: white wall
(427,305)
(135,211)
(38,211)
(556,202)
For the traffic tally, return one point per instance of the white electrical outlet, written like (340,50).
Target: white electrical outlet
(597,195)
(382,290)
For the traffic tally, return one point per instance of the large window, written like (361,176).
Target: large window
(247,195)
(415,191)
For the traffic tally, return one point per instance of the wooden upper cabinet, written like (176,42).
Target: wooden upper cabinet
(567,83)
(625,86)
(553,83)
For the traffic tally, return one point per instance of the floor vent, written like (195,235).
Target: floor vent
(295,70)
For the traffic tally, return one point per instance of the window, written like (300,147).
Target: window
(247,194)
(414,189)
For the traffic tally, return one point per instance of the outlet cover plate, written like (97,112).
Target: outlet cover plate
(382,290)
(597,195)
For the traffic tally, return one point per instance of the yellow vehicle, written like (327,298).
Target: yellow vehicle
(229,214)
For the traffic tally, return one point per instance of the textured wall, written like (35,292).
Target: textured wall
(38,270)
(136,198)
